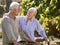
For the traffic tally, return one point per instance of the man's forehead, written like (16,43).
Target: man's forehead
(31,10)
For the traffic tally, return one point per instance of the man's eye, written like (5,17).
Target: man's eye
(30,12)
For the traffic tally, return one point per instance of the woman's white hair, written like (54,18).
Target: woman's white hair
(14,5)
(33,9)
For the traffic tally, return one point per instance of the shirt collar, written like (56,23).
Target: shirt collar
(29,20)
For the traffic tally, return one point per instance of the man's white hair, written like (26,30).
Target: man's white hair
(33,9)
(14,4)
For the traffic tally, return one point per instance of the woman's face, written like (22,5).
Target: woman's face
(15,11)
(30,14)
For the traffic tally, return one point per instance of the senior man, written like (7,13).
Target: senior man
(29,24)
(11,31)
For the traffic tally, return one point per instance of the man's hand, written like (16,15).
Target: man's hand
(39,39)
(46,39)
(15,42)
(32,41)
(28,39)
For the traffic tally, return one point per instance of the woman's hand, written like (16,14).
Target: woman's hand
(15,42)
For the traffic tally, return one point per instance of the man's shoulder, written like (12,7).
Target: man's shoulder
(35,20)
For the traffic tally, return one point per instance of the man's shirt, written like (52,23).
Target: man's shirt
(30,26)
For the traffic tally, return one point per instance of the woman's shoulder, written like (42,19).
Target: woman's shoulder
(20,16)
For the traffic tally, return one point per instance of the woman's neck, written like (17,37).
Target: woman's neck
(12,14)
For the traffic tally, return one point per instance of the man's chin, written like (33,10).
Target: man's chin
(16,14)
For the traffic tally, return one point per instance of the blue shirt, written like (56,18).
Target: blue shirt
(30,26)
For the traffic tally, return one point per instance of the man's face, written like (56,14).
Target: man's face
(30,14)
(15,11)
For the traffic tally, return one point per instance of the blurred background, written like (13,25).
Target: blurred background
(48,14)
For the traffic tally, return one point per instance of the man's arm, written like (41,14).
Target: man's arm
(23,35)
(40,30)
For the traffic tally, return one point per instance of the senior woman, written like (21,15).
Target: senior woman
(29,24)
(11,29)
